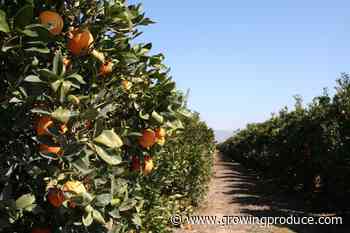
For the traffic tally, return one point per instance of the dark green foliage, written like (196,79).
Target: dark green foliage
(306,149)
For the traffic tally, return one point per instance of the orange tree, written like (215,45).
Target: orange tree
(304,150)
(95,136)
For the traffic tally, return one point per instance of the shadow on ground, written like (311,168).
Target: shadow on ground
(262,198)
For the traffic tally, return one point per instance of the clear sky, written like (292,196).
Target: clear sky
(243,60)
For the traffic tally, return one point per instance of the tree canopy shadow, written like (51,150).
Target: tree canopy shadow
(260,197)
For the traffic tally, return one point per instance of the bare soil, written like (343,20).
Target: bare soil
(237,191)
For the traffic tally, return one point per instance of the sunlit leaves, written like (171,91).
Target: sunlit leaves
(4,27)
(25,201)
(109,138)
(110,157)
(61,114)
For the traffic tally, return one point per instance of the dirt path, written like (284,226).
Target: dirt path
(236,191)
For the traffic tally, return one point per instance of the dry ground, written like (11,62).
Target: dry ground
(237,191)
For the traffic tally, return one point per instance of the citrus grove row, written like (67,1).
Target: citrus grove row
(304,150)
(95,136)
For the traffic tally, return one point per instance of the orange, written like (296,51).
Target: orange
(80,42)
(126,84)
(160,133)
(53,20)
(148,165)
(106,68)
(66,62)
(41,230)
(45,149)
(55,197)
(43,125)
(147,139)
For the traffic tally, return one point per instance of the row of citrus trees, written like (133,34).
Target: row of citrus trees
(306,149)
(95,136)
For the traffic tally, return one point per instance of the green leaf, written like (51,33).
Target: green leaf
(65,88)
(87,219)
(103,199)
(136,220)
(58,66)
(90,114)
(134,134)
(40,111)
(185,112)
(82,166)
(33,79)
(143,116)
(25,201)
(77,77)
(38,50)
(146,21)
(114,213)
(110,159)
(29,33)
(127,205)
(55,85)
(109,138)
(48,74)
(98,217)
(7,48)
(157,117)
(30,208)
(61,114)
(24,16)
(4,27)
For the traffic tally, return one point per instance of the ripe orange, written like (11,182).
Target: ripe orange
(43,125)
(160,133)
(106,68)
(148,165)
(55,197)
(126,84)
(41,230)
(147,139)
(66,62)
(80,42)
(45,149)
(53,20)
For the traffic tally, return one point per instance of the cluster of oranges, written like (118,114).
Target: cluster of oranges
(148,139)
(80,40)
(56,197)
(151,137)
(147,167)
(43,127)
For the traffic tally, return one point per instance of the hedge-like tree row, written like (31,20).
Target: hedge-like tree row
(306,149)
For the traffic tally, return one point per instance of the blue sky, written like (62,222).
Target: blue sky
(243,60)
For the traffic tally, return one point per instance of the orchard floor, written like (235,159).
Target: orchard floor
(237,191)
